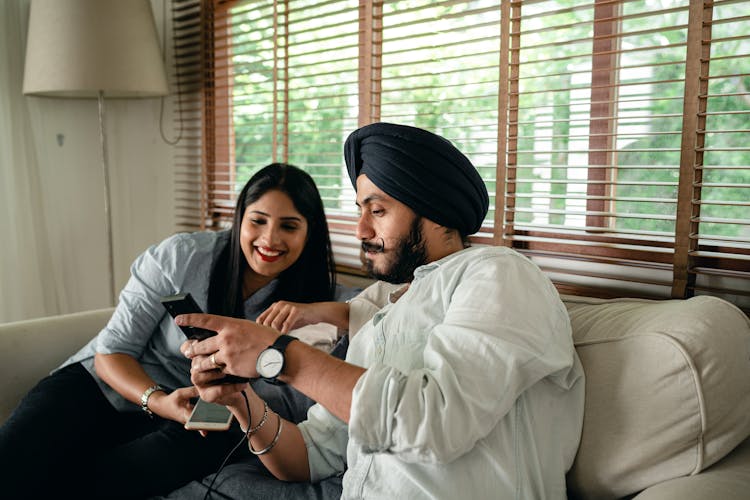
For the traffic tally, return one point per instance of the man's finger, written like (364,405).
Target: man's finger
(203,364)
(207,321)
(206,347)
(203,376)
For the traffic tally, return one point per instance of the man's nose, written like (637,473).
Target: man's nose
(364,230)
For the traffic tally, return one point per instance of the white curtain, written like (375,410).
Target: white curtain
(27,282)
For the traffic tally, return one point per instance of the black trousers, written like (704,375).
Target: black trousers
(65,440)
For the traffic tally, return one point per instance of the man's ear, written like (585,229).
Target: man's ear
(434,226)
(430,226)
(445,233)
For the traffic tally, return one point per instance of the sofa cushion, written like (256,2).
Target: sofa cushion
(29,349)
(729,479)
(667,390)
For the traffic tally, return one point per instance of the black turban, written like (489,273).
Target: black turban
(421,170)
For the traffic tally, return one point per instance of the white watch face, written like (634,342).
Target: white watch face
(270,363)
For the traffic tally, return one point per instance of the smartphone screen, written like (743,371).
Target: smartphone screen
(185,304)
(209,417)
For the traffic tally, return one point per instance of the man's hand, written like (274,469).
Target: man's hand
(234,350)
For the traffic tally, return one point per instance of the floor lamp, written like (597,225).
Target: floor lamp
(94,49)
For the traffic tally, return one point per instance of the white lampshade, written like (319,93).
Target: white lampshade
(77,48)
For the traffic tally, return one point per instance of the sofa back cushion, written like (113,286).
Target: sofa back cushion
(667,390)
(31,348)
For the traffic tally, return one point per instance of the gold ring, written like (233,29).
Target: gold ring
(213,362)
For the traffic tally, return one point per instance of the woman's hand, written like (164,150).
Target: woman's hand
(126,375)
(285,316)
(173,406)
(177,406)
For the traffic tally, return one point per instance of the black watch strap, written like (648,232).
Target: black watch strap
(282,341)
(280,344)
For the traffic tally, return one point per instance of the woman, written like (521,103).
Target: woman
(82,426)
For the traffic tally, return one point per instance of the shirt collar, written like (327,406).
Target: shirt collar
(397,293)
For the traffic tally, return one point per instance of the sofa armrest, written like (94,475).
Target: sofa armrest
(667,390)
(30,349)
(728,479)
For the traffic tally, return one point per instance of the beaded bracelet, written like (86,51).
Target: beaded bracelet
(273,443)
(263,419)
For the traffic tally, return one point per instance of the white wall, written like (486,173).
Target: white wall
(141,176)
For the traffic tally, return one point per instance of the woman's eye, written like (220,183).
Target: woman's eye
(258,221)
(289,227)
(377,211)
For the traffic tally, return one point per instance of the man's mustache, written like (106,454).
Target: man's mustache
(374,247)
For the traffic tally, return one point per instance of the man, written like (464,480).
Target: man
(466,384)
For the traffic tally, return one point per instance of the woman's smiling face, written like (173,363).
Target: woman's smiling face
(273,234)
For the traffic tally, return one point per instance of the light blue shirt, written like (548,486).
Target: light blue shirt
(473,389)
(141,327)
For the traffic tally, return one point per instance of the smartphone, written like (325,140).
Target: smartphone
(185,304)
(209,417)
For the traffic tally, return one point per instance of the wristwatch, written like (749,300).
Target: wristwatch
(147,394)
(270,361)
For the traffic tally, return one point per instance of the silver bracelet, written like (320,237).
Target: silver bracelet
(147,394)
(263,419)
(273,443)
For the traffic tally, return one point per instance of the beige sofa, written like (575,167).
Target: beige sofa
(667,392)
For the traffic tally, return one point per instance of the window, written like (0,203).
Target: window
(610,133)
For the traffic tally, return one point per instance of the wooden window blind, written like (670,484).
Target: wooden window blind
(609,103)
(597,99)
(279,84)
(439,70)
(612,134)
(716,253)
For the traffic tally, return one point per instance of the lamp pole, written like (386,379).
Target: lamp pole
(86,48)
(107,210)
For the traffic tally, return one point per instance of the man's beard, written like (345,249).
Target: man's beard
(409,254)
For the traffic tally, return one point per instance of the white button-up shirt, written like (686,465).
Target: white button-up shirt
(473,389)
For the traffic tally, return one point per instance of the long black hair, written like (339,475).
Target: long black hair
(312,278)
